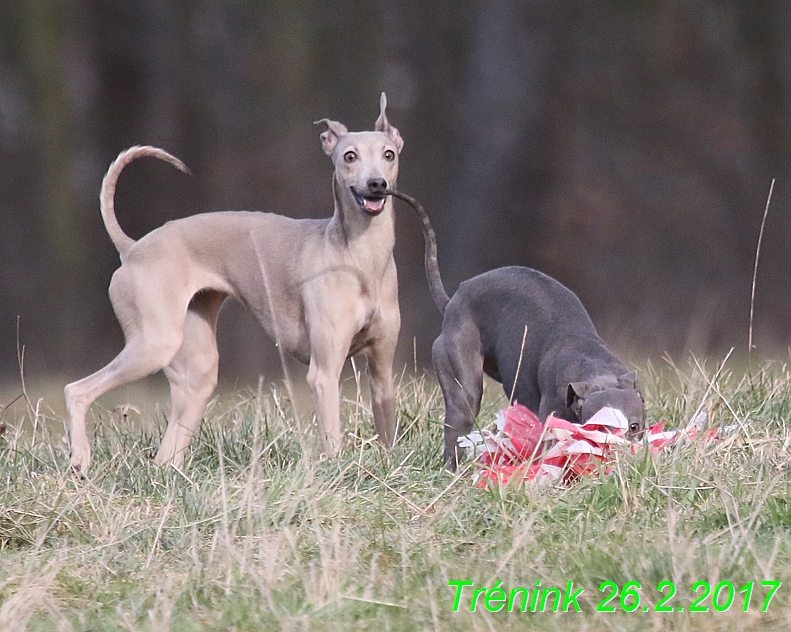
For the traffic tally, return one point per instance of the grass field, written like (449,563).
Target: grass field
(258,533)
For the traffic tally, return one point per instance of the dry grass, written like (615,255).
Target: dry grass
(258,533)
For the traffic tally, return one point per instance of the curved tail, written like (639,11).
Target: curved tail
(122,241)
(441,298)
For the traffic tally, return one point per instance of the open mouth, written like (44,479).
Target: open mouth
(371,204)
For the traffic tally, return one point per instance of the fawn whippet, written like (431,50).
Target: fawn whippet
(323,289)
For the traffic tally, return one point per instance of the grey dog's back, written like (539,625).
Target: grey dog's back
(559,341)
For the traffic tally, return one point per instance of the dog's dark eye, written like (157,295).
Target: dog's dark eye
(350,156)
(389,155)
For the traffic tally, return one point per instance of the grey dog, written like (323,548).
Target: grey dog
(530,333)
(323,289)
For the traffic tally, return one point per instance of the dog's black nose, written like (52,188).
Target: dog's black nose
(377,186)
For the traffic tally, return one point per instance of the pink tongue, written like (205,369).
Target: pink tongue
(374,206)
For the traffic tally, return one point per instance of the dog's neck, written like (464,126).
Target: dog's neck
(368,238)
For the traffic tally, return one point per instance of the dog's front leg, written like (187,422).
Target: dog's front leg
(380,374)
(323,379)
(328,353)
(331,327)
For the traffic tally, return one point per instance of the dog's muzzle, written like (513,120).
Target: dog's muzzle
(371,201)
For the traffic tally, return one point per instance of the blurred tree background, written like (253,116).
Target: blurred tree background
(624,147)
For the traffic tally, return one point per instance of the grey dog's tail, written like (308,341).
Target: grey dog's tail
(441,298)
(122,241)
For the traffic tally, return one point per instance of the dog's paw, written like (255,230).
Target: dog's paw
(451,460)
(80,462)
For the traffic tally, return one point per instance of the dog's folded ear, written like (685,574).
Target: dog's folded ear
(576,393)
(330,138)
(383,125)
(628,381)
(579,390)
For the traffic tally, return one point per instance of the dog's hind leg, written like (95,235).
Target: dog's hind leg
(136,360)
(153,320)
(192,375)
(459,367)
